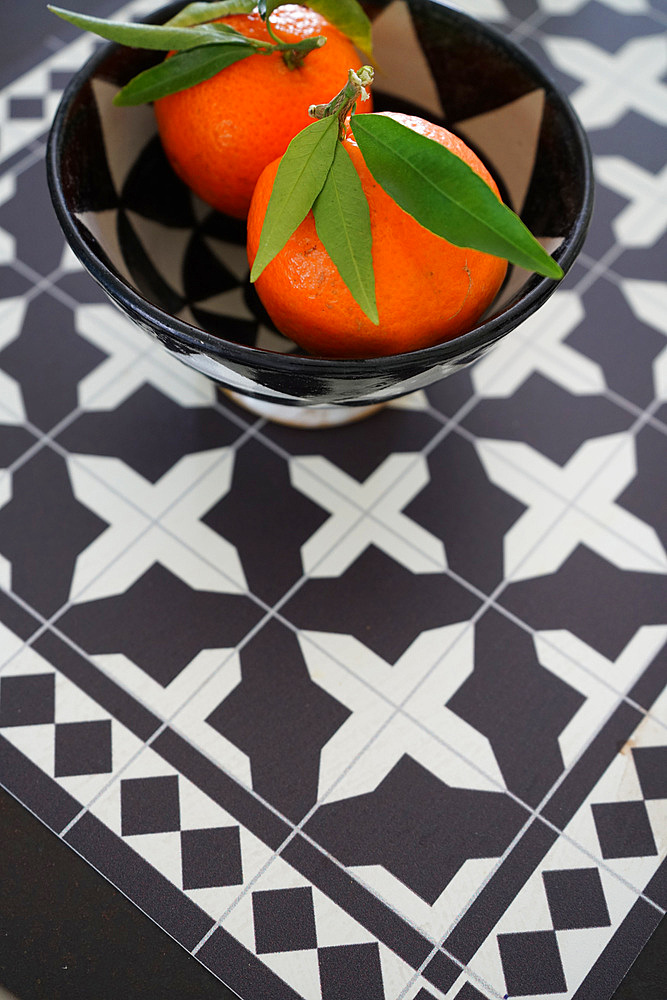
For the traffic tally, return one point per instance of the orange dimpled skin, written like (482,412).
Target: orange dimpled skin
(427,289)
(220,134)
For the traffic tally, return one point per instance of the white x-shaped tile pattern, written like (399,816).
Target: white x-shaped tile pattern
(538,346)
(375,737)
(571,505)
(208,680)
(351,529)
(648,301)
(602,681)
(643,221)
(11,645)
(5,564)
(614,82)
(7,241)
(134,360)
(154,523)
(12,314)
(441,659)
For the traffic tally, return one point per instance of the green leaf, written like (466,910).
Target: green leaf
(182,70)
(343,223)
(444,194)
(301,175)
(199,12)
(150,36)
(349,17)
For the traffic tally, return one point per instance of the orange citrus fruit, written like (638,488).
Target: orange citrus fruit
(220,134)
(427,289)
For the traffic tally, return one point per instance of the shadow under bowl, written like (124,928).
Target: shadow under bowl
(178,269)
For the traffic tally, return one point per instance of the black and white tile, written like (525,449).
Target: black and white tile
(375,711)
(60,728)
(587,883)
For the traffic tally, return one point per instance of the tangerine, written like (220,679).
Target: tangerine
(220,134)
(427,289)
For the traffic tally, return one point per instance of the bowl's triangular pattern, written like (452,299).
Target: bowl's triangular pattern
(178,267)
(396,46)
(165,261)
(514,161)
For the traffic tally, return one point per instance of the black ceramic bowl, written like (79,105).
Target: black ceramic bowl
(178,269)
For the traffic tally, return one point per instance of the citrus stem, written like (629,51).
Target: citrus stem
(293,53)
(342,104)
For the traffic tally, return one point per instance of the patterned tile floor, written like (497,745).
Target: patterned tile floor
(373,712)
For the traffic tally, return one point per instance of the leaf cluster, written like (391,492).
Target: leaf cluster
(427,180)
(203,46)
(316,172)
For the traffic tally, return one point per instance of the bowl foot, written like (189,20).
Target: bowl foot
(305,417)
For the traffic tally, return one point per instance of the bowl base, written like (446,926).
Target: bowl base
(304,417)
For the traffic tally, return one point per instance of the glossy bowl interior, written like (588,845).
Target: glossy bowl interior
(178,269)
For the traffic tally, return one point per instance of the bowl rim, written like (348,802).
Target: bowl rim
(195,339)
